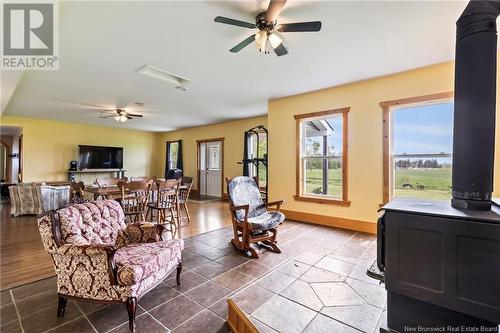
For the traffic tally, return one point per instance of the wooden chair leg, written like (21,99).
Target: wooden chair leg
(236,238)
(178,275)
(236,244)
(275,234)
(174,225)
(247,245)
(131,305)
(61,306)
(179,214)
(187,212)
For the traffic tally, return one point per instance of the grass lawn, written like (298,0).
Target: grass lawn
(436,182)
(314,181)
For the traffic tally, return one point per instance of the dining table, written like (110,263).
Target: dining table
(114,192)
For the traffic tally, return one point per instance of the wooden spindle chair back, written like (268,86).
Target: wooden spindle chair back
(167,193)
(77,192)
(134,198)
(184,192)
(166,205)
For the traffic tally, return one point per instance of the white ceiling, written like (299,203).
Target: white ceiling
(103,43)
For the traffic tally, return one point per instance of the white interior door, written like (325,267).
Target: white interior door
(211,168)
(203,167)
(214,168)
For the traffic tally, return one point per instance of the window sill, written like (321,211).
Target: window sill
(328,201)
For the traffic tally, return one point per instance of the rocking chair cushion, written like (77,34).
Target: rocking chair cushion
(268,220)
(244,191)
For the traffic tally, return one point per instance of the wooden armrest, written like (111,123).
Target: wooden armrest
(275,203)
(235,208)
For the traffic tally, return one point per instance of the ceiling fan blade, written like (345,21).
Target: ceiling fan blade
(80,105)
(135,115)
(103,116)
(226,20)
(243,44)
(300,26)
(280,50)
(274,9)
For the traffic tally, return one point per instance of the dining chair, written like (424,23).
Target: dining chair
(134,199)
(184,191)
(166,205)
(77,194)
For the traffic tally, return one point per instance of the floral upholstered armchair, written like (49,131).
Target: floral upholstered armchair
(252,221)
(98,257)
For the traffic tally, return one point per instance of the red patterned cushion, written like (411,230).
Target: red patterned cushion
(92,222)
(136,262)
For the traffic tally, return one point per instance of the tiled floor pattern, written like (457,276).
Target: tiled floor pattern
(318,284)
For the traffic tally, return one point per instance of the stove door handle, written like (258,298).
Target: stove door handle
(381,243)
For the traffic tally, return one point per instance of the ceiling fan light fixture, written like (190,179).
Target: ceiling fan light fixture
(267,23)
(117,118)
(261,40)
(275,40)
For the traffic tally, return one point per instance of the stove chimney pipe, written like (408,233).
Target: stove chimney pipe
(475,106)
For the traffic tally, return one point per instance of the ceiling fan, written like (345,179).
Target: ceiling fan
(267,24)
(120,115)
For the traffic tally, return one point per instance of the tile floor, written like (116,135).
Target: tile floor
(318,284)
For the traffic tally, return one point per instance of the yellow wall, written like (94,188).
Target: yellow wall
(49,146)
(365,137)
(232,131)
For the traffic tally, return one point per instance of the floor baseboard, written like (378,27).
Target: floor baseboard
(331,221)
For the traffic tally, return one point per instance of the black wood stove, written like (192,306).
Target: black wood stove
(441,260)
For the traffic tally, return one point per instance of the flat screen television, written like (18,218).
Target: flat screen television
(98,157)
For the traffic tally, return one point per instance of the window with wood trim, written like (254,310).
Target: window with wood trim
(172,154)
(322,157)
(418,140)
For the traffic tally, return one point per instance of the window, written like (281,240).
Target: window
(322,157)
(172,149)
(418,148)
(173,158)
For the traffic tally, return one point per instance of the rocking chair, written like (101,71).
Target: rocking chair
(252,221)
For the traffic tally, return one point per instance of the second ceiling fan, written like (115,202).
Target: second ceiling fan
(267,24)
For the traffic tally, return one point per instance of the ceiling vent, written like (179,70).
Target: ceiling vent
(160,74)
